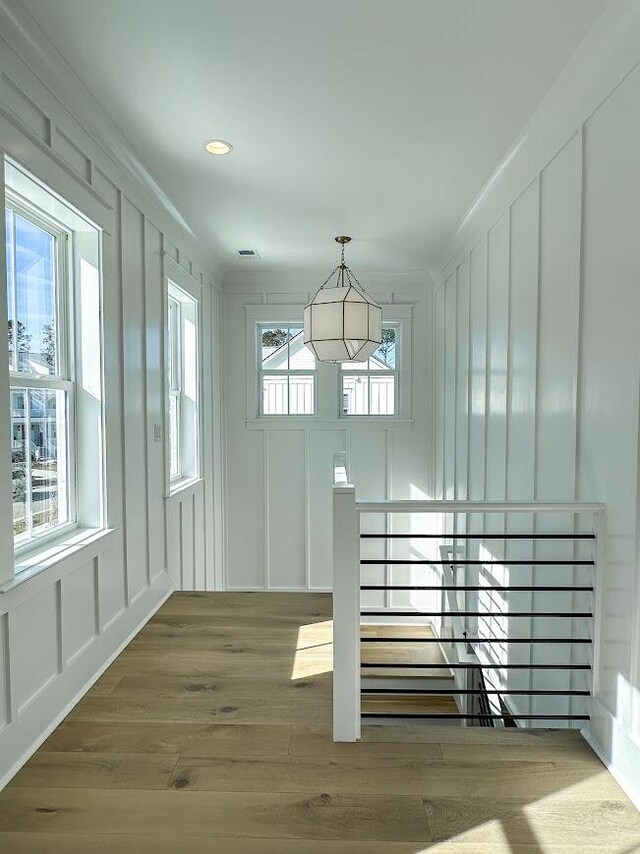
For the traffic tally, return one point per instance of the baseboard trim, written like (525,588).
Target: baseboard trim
(139,614)
(624,766)
(230,589)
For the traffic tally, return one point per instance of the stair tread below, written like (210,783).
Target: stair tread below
(400,653)
(406,704)
(381,630)
(401,672)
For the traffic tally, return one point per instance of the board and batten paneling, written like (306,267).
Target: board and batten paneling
(61,628)
(521,438)
(278,478)
(553,380)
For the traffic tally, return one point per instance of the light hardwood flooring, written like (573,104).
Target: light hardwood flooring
(212,733)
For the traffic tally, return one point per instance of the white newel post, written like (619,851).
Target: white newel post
(346,615)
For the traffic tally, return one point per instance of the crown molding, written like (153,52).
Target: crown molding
(28,41)
(608,54)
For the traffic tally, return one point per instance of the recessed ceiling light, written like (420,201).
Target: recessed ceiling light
(218,146)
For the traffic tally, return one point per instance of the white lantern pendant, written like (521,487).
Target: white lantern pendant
(341,323)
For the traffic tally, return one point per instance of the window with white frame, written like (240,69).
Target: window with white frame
(371,388)
(287,370)
(55,406)
(41,381)
(284,381)
(182,381)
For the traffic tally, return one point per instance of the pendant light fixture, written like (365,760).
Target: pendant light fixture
(341,323)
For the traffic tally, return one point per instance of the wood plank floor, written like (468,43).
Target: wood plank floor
(211,733)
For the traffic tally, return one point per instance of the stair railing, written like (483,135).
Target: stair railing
(348,514)
(453,637)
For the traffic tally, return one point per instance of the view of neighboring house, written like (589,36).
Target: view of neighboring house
(367,388)
(287,378)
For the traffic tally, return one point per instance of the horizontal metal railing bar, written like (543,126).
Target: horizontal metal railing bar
(467,691)
(469,562)
(508,588)
(468,666)
(565,614)
(477,536)
(461,716)
(415,506)
(475,640)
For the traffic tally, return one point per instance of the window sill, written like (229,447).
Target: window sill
(30,565)
(289,422)
(183,485)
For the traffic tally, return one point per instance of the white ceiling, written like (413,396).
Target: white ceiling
(378,119)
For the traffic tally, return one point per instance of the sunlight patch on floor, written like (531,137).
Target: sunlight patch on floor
(596,789)
(490,833)
(314,650)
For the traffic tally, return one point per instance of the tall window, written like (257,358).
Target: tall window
(54,343)
(182,381)
(41,374)
(371,388)
(286,371)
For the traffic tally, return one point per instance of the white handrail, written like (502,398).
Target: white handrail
(416,506)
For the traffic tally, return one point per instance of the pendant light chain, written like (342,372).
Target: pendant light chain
(340,271)
(330,276)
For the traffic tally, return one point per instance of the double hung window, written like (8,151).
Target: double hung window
(182,381)
(42,387)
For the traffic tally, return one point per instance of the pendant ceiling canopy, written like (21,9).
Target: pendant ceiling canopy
(342,323)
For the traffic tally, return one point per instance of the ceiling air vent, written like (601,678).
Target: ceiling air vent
(248,253)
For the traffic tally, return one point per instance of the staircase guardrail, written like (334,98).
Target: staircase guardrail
(348,513)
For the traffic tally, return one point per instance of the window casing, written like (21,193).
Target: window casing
(286,371)
(371,388)
(183,372)
(55,371)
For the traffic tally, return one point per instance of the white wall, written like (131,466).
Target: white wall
(545,400)
(278,477)
(59,629)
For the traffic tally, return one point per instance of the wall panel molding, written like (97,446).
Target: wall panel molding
(60,628)
(35,721)
(278,478)
(560,223)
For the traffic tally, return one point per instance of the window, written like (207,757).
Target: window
(286,370)
(371,388)
(182,382)
(55,369)
(287,387)
(41,392)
